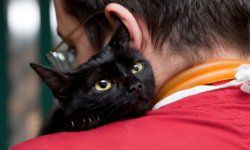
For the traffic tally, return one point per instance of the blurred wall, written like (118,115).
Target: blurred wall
(23,104)
(27,33)
(3,77)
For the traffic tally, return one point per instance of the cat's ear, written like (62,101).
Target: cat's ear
(56,81)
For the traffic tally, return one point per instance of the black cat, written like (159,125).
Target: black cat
(115,84)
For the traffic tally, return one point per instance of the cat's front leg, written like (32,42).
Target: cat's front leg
(54,123)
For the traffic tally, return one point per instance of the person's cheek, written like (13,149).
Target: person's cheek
(84,49)
(83,55)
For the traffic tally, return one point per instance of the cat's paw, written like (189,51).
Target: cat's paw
(85,123)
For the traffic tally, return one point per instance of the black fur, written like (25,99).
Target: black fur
(82,107)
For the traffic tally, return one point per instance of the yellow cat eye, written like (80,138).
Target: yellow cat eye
(103,85)
(137,68)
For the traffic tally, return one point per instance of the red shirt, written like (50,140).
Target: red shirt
(216,120)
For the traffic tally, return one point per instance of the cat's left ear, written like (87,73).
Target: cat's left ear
(56,81)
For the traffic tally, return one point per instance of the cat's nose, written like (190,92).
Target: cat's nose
(135,88)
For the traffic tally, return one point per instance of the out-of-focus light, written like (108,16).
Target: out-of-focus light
(53,23)
(23,17)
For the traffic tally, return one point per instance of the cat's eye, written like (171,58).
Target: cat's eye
(103,85)
(137,67)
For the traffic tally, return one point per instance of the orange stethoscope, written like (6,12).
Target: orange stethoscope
(206,73)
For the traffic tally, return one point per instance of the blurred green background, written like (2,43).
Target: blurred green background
(27,33)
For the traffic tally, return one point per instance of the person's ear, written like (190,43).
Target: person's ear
(127,18)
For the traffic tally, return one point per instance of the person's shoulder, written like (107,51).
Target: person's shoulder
(182,123)
(221,96)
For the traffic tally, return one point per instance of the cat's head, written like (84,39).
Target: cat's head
(117,82)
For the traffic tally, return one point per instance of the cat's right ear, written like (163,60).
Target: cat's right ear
(56,81)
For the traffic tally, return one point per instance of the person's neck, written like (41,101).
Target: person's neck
(182,65)
(202,74)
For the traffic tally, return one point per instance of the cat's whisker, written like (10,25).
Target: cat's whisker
(72,123)
(90,120)
(95,107)
(98,118)
(83,120)
(115,109)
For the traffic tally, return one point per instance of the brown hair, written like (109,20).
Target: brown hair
(188,25)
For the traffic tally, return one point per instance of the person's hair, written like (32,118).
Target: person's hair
(188,25)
